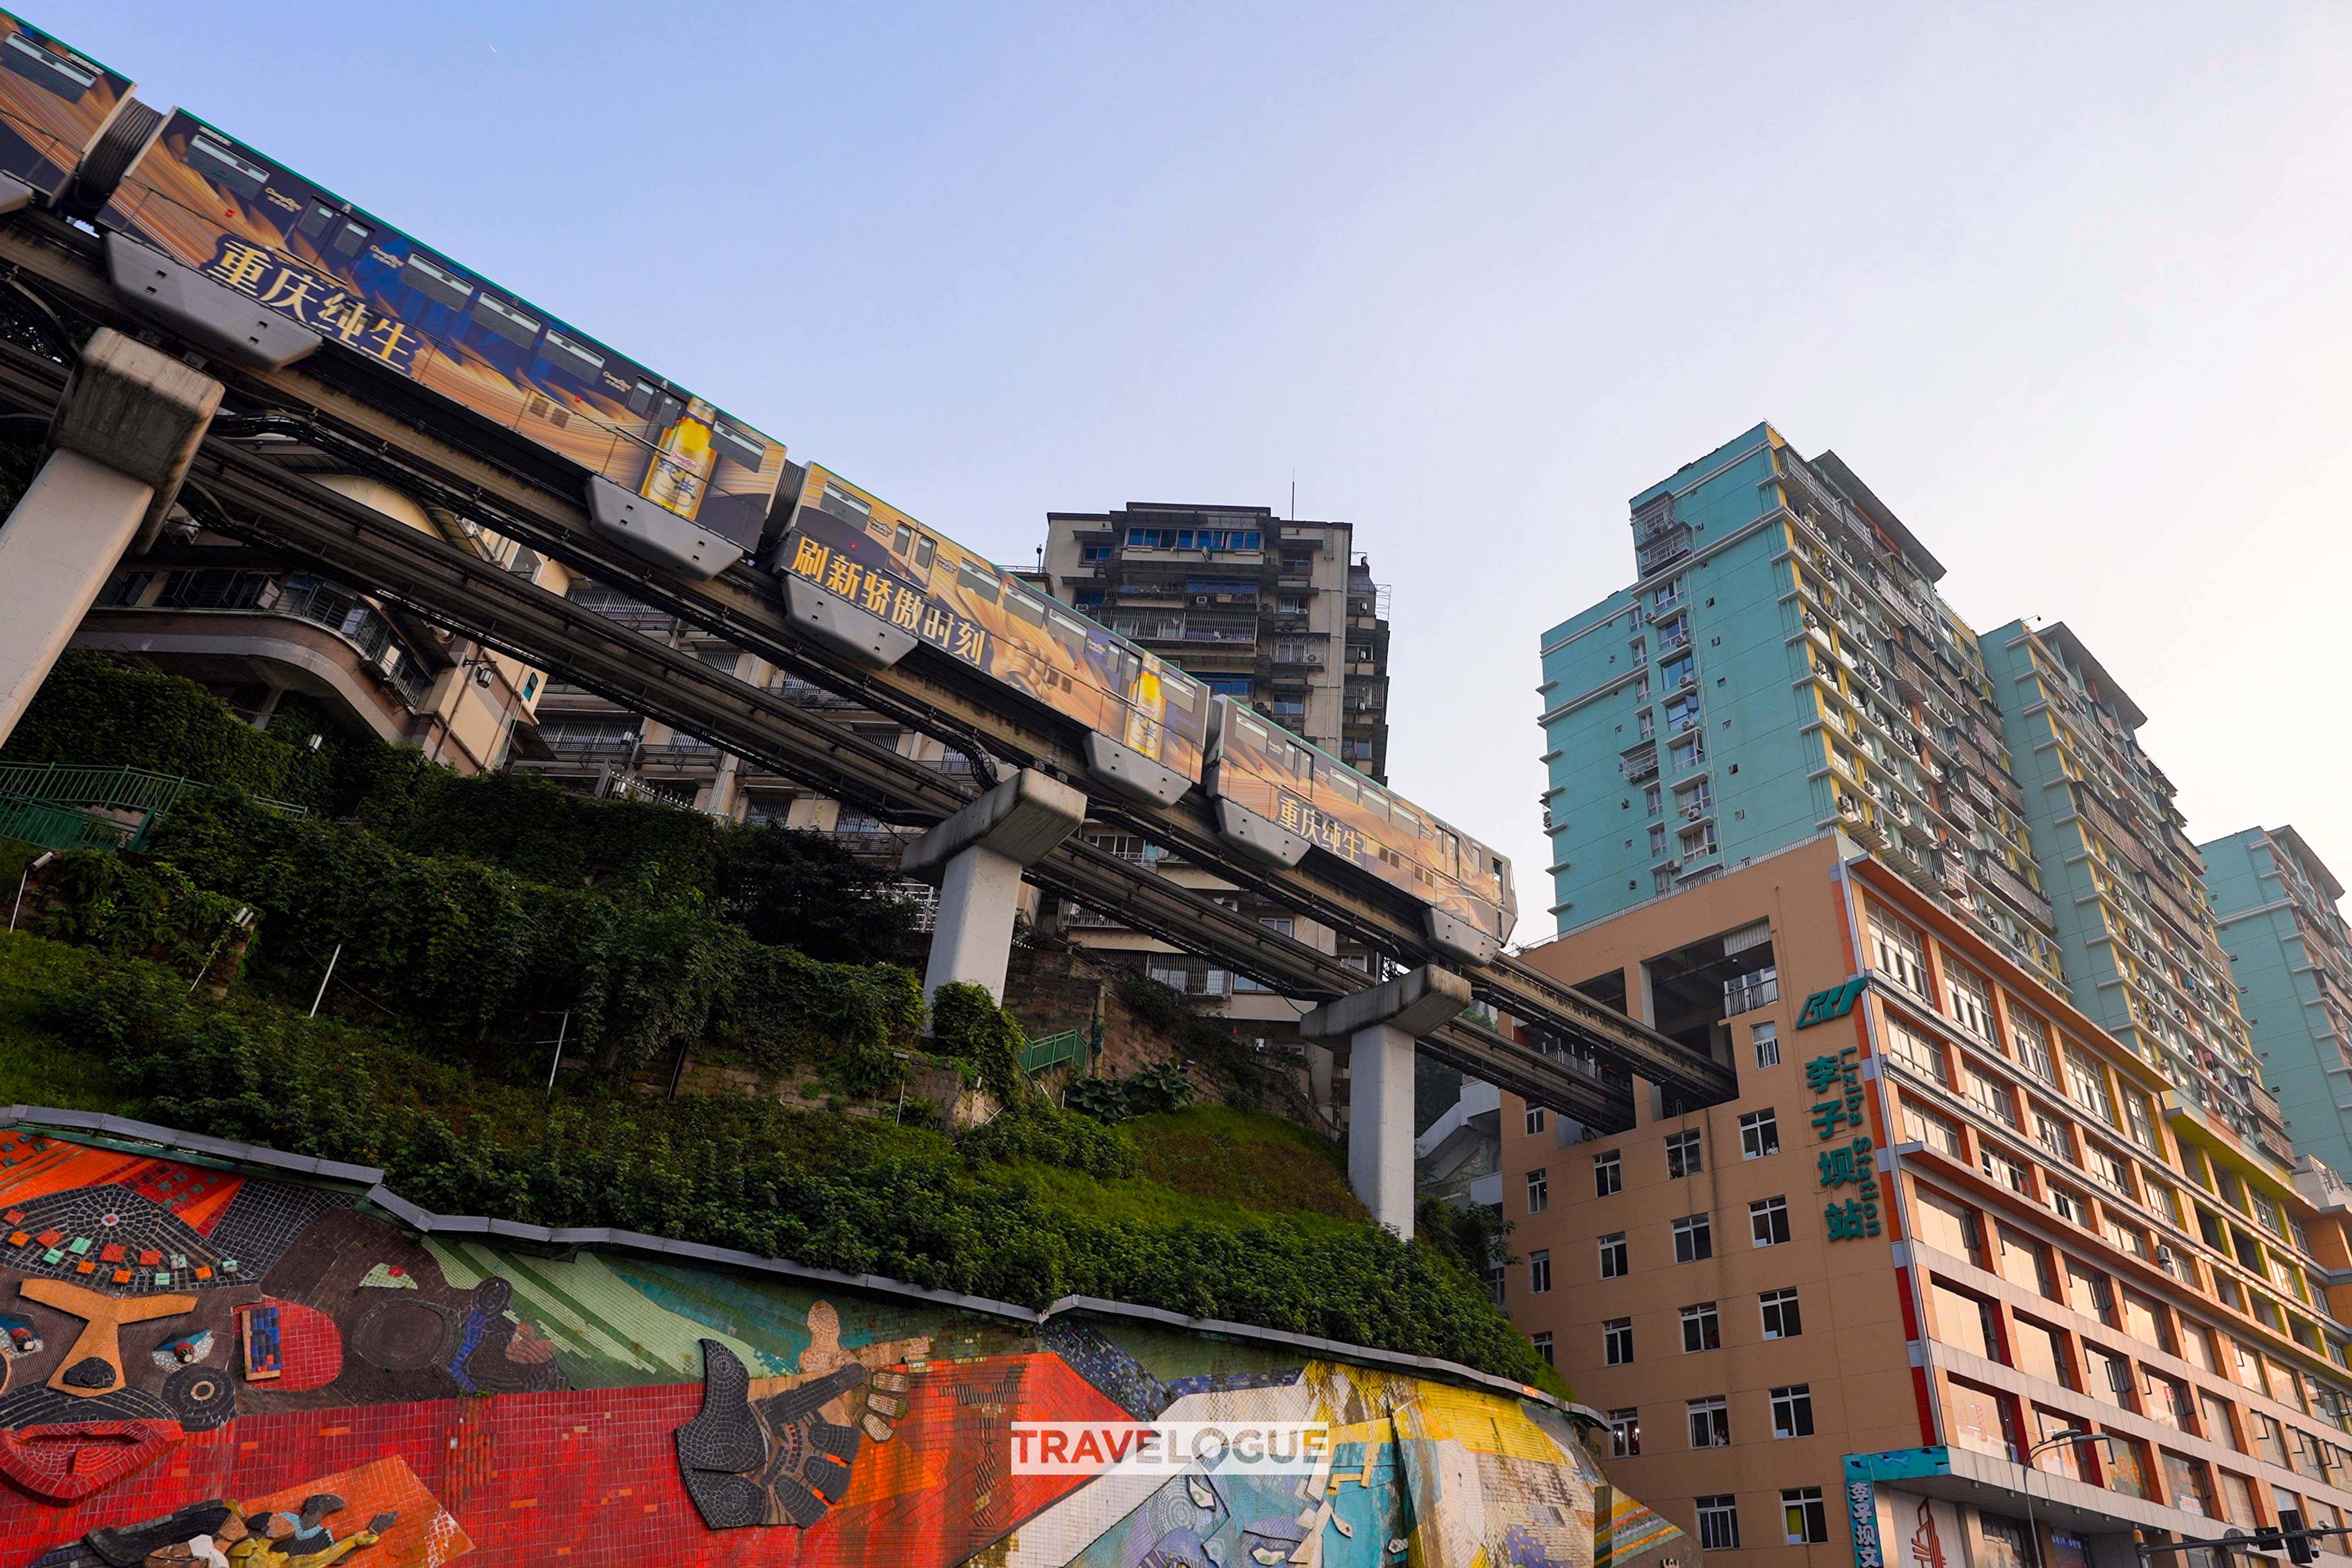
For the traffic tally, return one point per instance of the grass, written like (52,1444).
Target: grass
(1207,1164)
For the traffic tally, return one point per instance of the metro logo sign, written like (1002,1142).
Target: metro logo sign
(1835,1002)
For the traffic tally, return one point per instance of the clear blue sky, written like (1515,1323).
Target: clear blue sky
(2065,284)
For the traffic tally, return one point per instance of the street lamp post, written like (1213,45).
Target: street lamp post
(2072,1435)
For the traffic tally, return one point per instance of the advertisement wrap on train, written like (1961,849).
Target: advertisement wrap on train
(666,465)
(1277,796)
(865,576)
(54,103)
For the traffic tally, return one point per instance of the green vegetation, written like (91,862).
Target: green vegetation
(472,914)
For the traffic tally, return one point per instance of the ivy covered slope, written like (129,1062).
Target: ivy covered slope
(474,918)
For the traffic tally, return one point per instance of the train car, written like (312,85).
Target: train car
(1276,798)
(54,104)
(866,579)
(232,249)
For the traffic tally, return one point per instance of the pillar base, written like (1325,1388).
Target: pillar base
(975,859)
(1382,1024)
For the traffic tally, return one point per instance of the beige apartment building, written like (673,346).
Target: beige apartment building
(1850,1316)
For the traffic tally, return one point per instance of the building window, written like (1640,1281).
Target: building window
(1650,799)
(2030,1035)
(1617,1341)
(1607,1174)
(1612,1255)
(1539,1271)
(1657,838)
(1917,1051)
(1701,1329)
(1710,1423)
(1539,1192)
(1896,952)
(2086,1083)
(1718,1523)
(2069,1205)
(1768,1221)
(1766,1038)
(1625,1434)
(1792,1411)
(1968,1000)
(1694,1238)
(1759,1134)
(1781,1318)
(1683,1155)
(1535,1120)
(1543,1346)
(1806,1521)
(1990,1095)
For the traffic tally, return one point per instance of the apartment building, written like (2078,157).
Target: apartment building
(1958,1277)
(1276,613)
(1781,664)
(2291,956)
(252,624)
(2136,935)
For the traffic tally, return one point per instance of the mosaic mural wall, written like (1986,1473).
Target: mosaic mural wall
(213,1366)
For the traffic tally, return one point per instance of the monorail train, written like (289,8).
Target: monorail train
(237,253)
(870,581)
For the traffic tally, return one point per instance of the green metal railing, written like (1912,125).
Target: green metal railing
(1052,1050)
(61,827)
(62,806)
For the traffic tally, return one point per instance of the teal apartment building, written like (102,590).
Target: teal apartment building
(2141,951)
(1781,665)
(2292,956)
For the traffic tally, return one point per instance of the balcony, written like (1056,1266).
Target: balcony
(1746,992)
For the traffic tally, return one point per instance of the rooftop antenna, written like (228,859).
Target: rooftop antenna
(1294,495)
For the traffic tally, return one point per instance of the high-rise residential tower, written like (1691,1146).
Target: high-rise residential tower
(1781,664)
(2136,935)
(2290,955)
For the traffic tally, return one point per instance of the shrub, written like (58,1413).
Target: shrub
(1165,1087)
(981,1038)
(827,1191)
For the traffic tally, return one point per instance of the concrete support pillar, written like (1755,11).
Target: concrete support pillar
(975,859)
(1381,1026)
(129,427)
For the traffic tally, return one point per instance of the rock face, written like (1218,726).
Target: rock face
(220,1362)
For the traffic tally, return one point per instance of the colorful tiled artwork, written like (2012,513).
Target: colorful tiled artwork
(293,1381)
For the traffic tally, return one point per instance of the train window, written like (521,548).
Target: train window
(1181,693)
(435,281)
(223,167)
(503,318)
(1377,804)
(1069,625)
(315,219)
(1026,605)
(902,541)
(68,79)
(740,446)
(1337,777)
(569,354)
(925,545)
(977,580)
(844,505)
(1406,817)
(642,395)
(352,240)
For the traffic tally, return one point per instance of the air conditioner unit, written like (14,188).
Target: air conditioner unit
(1313,656)
(1692,813)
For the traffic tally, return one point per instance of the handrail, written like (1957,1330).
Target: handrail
(47,800)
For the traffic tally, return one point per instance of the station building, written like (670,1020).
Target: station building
(2002,1256)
